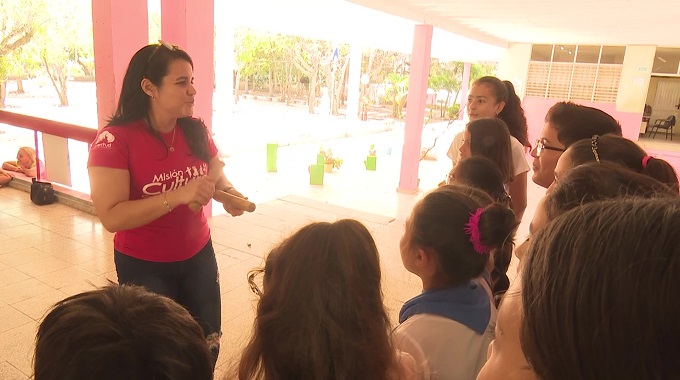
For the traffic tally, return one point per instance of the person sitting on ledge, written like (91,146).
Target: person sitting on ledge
(26,164)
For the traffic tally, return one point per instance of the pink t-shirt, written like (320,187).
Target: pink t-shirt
(177,235)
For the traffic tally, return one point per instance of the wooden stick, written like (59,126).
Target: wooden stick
(214,171)
(234,201)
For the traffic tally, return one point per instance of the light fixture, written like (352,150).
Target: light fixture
(561,47)
(660,59)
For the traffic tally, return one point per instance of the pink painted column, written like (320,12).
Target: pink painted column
(190,25)
(464,89)
(119,28)
(415,109)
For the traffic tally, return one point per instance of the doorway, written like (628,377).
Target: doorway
(664,98)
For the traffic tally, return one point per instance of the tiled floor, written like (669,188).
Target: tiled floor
(48,253)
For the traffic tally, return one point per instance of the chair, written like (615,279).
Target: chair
(646,114)
(666,124)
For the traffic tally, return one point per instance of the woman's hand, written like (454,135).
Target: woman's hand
(199,190)
(230,209)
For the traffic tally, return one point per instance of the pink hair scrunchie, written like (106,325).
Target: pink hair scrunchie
(472,229)
(645,160)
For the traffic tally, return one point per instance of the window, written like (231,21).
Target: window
(613,55)
(564,53)
(588,54)
(541,53)
(666,61)
(583,72)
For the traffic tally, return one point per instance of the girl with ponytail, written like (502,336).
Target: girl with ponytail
(447,243)
(619,150)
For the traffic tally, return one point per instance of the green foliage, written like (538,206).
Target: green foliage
(20,20)
(371,150)
(396,89)
(478,70)
(453,111)
(445,76)
(377,64)
(330,159)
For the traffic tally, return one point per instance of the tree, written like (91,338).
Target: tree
(250,55)
(376,65)
(68,36)
(335,75)
(396,89)
(445,76)
(19,21)
(309,57)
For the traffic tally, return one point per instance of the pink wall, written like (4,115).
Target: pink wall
(120,28)
(536,108)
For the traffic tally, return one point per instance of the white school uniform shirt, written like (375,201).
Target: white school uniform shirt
(451,350)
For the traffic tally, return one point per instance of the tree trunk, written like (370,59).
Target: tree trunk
(20,86)
(289,70)
(3,92)
(245,85)
(311,98)
(63,91)
(56,76)
(340,87)
(271,82)
(86,70)
(237,87)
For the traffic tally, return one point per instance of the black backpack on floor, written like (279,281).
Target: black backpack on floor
(42,193)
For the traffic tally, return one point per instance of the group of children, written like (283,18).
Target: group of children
(594,297)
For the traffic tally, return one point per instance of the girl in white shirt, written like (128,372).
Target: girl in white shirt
(447,242)
(490,98)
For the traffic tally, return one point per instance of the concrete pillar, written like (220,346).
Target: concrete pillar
(190,24)
(415,109)
(354,83)
(464,89)
(223,101)
(119,28)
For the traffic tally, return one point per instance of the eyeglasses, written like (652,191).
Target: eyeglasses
(251,281)
(161,43)
(540,146)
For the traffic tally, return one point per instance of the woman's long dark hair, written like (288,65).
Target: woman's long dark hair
(152,62)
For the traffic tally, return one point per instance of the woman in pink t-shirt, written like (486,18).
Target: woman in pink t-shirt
(145,168)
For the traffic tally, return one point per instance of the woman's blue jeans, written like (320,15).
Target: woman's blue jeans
(193,283)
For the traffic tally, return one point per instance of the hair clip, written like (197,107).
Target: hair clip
(645,160)
(167,45)
(593,145)
(472,229)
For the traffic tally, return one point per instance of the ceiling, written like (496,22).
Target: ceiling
(344,22)
(592,22)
